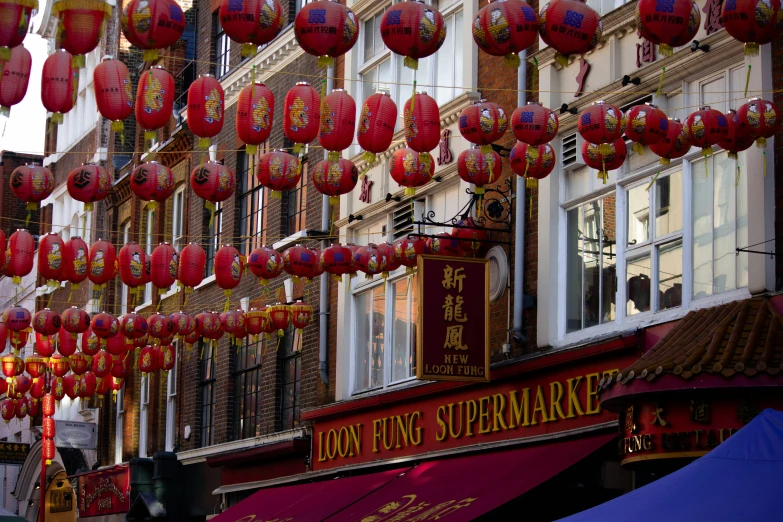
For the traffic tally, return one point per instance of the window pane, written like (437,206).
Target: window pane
(702,231)
(608,236)
(670,275)
(668,204)
(370,308)
(638,285)
(445,69)
(369,81)
(369,33)
(574,271)
(379,45)
(638,215)
(713,93)
(362,304)
(384,78)
(724,211)
(742,222)
(592,261)
(405,314)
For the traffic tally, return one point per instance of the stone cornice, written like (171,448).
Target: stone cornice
(365,8)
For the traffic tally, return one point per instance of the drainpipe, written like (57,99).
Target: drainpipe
(519,225)
(323,291)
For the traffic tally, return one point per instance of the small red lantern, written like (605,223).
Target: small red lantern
(113,92)
(603,163)
(184,324)
(32,184)
(646,125)
(192,264)
(75,320)
(152,182)
(50,259)
(81,26)
(232,321)
(761,118)
(115,345)
(152,25)
(49,427)
(265,263)
(89,183)
(411,169)
(205,108)
(16,318)
(59,84)
(470,235)
(75,261)
(163,269)
(280,317)
(21,408)
(154,98)
(392,262)
(132,261)
(408,249)
(279,171)
(753,22)
(102,388)
(422,125)
(299,261)
(376,125)
(8,410)
(116,385)
(16,76)
(48,451)
(133,326)
(601,124)
(160,326)
(534,124)
(414,30)
(66,345)
(532,163)
(59,365)
(103,263)
(208,324)
(254,322)
(213,183)
(229,266)
(47,405)
(120,366)
(168,358)
(738,139)
(35,366)
(505,28)
(46,322)
(44,346)
(337,260)
(370,260)
(148,359)
(101,364)
(19,340)
(301,115)
(104,325)
(669,25)
(80,362)
(482,123)
(13,365)
(707,127)
(338,123)
(255,112)
(569,27)
(301,314)
(91,343)
(87,385)
(251,22)
(335,178)
(37,391)
(326,29)
(14,19)
(20,253)
(479,168)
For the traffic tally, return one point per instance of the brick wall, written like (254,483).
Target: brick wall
(12,209)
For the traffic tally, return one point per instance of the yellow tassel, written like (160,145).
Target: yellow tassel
(5,111)
(605,149)
(276,194)
(561,59)
(665,161)
(652,182)
(752,49)
(706,152)
(325,61)
(531,183)
(298,148)
(77,62)
(211,207)
(411,63)
(203,143)
(638,148)
(747,80)
(150,55)
(249,49)
(150,135)
(251,150)
(410,192)
(761,142)
(368,157)
(665,49)
(512,61)
(333,157)
(660,81)
(5,53)
(57,118)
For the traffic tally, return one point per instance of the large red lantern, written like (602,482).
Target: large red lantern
(336,260)
(103,263)
(408,249)
(152,25)
(739,138)
(470,235)
(113,92)
(59,365)
(392,261)
(208,325)
(184,324)
(301,315)
(232,321)
(89,183)
(59,84)
(46,322)
(148,359)
(532,163)
(168,358)
(255,112)
(370,260)
(66,345)
(411,169)
(80,362)
(645,125)
(761,118)
(15,77)
(32,184)
(163,269)
(91,343)
(13,365)
(338,123)
(133,326)
(160,326)
(422,124)
(279,172)
(75,320)
(44,346)
(299,261)
(301,115)
(251,22)
(668,24)
(597,159)
(265,263)
(753,22)
(81,25)
(87,385)
(505,28)
(601,124)
(213,183)
(414,30)
(153,182)
(569,27)
(192,264)
(205,108)
(479,168)
(229,266)
(482,123)
(75,261)
(14,19)
(21,249)
(132,261)
(335,178)
(101,364)
(707,127)
(280,316)
(104,325)
(326,29)
(534,124)
(120,366)
(50,259)
(255,321)
(376,125)
(154,98)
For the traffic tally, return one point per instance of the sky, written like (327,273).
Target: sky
(24,130)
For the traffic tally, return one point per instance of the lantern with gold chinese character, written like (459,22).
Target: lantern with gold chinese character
(506,28)
(213,182)
(251,22)
(604,162)
(280,316)
(479,168)
(301,314)
(44,345)
(761,118)
(707,127)
(75,261)
(532,163)
(19,257)
(408,249)
(646,125)
(87,385)
(301,115)
(184,324)
(154,100)
(168,358)
(101,364)
(32,184)
(192,263)
(205,108)
(753,22)
(443,245)
(411,169)
(152,25)
(7,410)
(265,263)
(376,125)
(338,123)
(279,172)
(483,123)
(133,326)
(738,138)
(148,359)
(335,178)
(103,263)
(392,261)
(229,266)
(113,92)
(326,29)
(91,343)
(163,268)
(50,259)
(80,362)
(75,320)
(67,344)
(414,30)
(422,123)
(152,182)
(46,322)
(254,114)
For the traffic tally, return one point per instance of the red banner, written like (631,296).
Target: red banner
(453,327)
(104,492)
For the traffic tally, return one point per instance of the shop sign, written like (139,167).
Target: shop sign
(683,428)
(13,453)
(79,435)
(104,492)
(60,500)
(453,328)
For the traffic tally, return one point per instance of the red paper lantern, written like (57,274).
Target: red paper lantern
(301,115)
(133,326)
(16,75)
(671,24)
(19,340)
(326,29)
(66,345)
(479,168)
(91,343)
(14,19)
(48,450)
(251,22)
(337,260)
(338,123)
(707,127)
(739,137)
(422,126)
(46,322)
(89,183)
(301,315)
(761,118)
(229,266)
(470,236)
(184,324)
(376,125)
(753,22)
(59,365)
(505,28)
(595,158)
(50,259)
(370,260)
(21,249)
(104,325)
(532,163)
(392,261)
(13,365)
(35,366)
(103,263)
(265,263)
(411,169)
(299,261)
(75,320)
(254,322)
(534,124)
(279,172)
(37,390)
(44,346)
(408,249)
(160,326)
(205,108)
(280,317)
(101,364)
(152,25)
(75,261)
(32,183)
(141,341)
(569,27)
(47,405)
(153,182)
(255,112)
(601,124)
(115,345)
(87,385)
(132,261)
(3,247)
(8,410)
(232,321)
(335,178)
(16,318)
(317,270)
(168,358)
(49,427)
(80,362)
(113,92)
(81,25)
(21,408)
(646,125)
(154,98)
(482,123)
(208,325)
(414,30)
(163,269)
(120,366)
(192,264)
(148,359)
(59,84)
(102,388)
(213,183)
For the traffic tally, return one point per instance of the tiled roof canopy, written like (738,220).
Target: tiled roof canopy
(740,337)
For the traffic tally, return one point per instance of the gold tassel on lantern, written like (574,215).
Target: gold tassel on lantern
(665,49)
(368,157)
(512,61)
(752,49)
(325,62)
(660,81)
(249,49)
(411,63)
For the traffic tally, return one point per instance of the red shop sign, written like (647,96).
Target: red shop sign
(104,492)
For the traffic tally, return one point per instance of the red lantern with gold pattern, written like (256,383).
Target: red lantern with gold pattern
(75,320)
(255,112)
(603,163)
(152,25)
(101,364)
(133,326)
(336,260)
(213,183)
(46,322)
(21,408)
(192,264)
(668,24)
(116,344)
(75,261)
(753,22)
(408,249)
(37,390)
(44,345)
(104,325)
(35,366)
(89,183)
(120,366)
(338,123)
(81,25)
(48,451)
(707,127)
(414,30)
(67,344)
(279,172)
(317,271)
(422,124)
(13,365)
(160,326)
(479,168)
(20,254)
(254,322)
(376,125)
(534,124)
(148,359)
(326,29)
(87,385)
(59,84)
(80,362)
(232,321)
(102,388)
(16,318)
(470,236)
(761,118)
(154,99)
(132,261)
(116,384)
(47,405)
(14,19)
(601,124)
(335,178)
(483,123)
(569,27)
(168,358)
(301,315)
(411,169)
(251,22)
(50,259)
(229,265)
(645,125)
(163,269)
(103,262)
(302,115)
(49,427)
(206,101)
(59,365)
(113,92)
(280,317)
(739,137)
(208,325)
(392,261)
(152,182)
(299,261)
(8,410)
(506,28)
(32,184)
(91,343)
(370,260)
(184,324)
(532,163)
(265,263)
(16,76)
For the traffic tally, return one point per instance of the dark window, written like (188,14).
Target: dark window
(252,222)
(207,394)
(212,238)
(222,48)
(296,214)
(291,370)
(247,390)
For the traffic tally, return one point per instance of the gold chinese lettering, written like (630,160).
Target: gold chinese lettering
(452,309)
(658,417)
(454,338)
(453,278)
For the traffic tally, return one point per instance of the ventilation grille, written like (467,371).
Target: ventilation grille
(569,150)
(402,218)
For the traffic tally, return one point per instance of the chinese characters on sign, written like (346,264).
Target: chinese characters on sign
(645,51)
(581,78)
(366,193)
(445,155)
(712,21)
(13,453)
(453,341)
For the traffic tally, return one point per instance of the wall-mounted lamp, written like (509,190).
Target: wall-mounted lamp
(352,218)
(565,108)
(389,197)
(627,79)
(696,46)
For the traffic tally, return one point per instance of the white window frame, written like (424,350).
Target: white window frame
(126,237)
(171,402)
(119,425)
(144,404)
(222,53)
(149,237)
(178,218)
